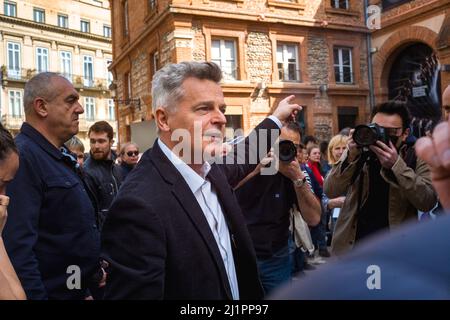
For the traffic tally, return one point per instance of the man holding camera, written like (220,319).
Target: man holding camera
(265,201)
(384,181)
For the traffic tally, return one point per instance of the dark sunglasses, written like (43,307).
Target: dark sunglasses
(132,153)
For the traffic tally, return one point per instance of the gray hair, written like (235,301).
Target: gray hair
(166,84)
(74,143)
(39,86)
(126,145)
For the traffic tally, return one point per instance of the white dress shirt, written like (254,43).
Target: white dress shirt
(209,203)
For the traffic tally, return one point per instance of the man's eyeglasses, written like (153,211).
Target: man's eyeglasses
(133,153)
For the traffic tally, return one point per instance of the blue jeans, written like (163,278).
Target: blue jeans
(319,232)
(275,270)
(298,261)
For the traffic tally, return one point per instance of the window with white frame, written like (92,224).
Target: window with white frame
(343,67)
(109,75)
(10,9)
(13,60)
(223,53)
(339,4)
(88,71)
(85,26)
(39,15)
(111,110)
(106,31)
(66,64)
(63,21)
(15,103)
(41,59)
(287,62)
(89,106)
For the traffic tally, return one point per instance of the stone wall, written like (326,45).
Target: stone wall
(198,50)
(318,59)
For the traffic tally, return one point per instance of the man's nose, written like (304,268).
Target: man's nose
(219,118)
(79,109)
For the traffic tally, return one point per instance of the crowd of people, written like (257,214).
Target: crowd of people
(173,223)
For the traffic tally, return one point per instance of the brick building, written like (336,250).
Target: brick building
(71,37)
(267,50)
(411,55)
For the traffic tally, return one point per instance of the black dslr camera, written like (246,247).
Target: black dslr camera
(287,151)
(367,135)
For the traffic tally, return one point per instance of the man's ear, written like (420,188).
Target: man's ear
(406,134)
(40,107)
(162,119)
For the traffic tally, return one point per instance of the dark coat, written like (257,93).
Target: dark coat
(159,243)
(103,179)
(51,223)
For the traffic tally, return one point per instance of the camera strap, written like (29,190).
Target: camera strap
(358,172)
(359,165)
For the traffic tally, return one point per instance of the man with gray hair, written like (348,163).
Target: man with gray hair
(51,235)
(175,230)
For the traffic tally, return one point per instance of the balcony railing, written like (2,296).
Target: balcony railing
(78,81)
(89,83)
(85,124)
(13,122)
(18,74)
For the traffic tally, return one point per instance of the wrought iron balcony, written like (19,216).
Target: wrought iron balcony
(12,121)
(79,81)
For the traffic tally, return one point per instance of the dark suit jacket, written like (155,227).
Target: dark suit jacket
(413,263)
(159,243)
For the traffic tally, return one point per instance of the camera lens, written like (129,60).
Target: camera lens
(364,136)
(287,151)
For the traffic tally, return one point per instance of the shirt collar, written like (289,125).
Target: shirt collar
(192,178)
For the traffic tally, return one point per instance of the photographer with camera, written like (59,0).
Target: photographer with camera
(384,181)
(266,201)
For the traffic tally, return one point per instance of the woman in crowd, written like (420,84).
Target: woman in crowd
(336,148)
(10,287)
(318,233)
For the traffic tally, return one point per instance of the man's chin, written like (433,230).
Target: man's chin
(98,156)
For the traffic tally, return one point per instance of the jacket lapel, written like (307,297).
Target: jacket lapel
(188,202)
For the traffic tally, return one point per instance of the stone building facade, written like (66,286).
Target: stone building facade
(268,49)
(411,56)
(71,37)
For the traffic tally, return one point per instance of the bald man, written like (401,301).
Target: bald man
(51,236)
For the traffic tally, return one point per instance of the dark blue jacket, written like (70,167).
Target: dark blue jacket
(318,190)
(51,222)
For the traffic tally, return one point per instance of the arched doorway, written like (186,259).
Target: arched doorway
(414,77)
